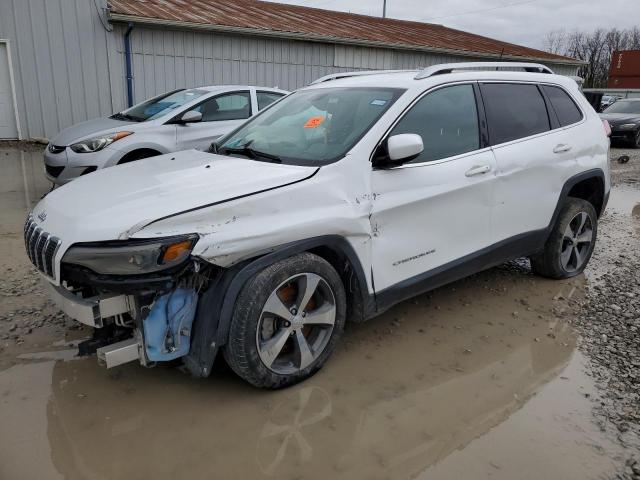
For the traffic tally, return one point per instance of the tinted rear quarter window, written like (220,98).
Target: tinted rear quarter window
(566,109)
(267,98)
(514,111)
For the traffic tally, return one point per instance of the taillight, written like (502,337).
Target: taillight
(607,128)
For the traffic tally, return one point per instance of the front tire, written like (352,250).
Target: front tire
(287,321)
(571,242)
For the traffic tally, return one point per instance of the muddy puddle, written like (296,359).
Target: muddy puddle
(438,386)
(477,379)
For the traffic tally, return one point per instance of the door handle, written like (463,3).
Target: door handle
(561,148)
(477,170)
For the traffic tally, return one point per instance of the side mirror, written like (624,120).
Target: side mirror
(400,149)
(191,117)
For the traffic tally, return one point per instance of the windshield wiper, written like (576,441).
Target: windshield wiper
(125,116)
(249,152)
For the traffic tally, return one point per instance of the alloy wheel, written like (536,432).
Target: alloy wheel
(576,242)
(296,323)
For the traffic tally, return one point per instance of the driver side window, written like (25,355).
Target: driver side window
(447,121)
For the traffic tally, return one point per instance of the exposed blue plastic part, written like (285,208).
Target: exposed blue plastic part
(167,328)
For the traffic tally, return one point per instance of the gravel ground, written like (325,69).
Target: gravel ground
(609,320)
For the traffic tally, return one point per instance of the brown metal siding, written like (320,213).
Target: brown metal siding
(625,69)
(275,17)
(624,82)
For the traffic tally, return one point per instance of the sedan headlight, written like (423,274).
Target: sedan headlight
(132,257)
(98,143)
(628,126)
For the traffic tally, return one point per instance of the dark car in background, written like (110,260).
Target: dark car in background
(624,118)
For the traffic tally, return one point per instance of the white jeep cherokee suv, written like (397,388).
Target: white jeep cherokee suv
(346,197)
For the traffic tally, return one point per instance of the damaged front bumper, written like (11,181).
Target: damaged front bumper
(90,311)
(160,327)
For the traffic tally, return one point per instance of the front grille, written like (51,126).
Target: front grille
(56,148)
(41,247)
(53,171)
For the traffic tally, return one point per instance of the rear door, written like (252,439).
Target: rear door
(435,209)
(220,115)
(532,156)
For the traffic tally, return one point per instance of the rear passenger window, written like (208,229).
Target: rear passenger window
(564,106)
(267,98)
(514,111)
(447,121)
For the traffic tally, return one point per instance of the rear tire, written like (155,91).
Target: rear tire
(636,142)
(286,322)
(570,244)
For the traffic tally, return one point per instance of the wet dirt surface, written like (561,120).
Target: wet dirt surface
(485,378)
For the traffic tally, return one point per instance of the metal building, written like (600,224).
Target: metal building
(65,61)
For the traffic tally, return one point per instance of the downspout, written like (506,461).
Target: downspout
(127,64)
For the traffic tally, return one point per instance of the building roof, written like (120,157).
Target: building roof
(292,21)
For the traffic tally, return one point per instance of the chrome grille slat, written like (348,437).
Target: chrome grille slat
(42,239)
(41,247)
(28,238)
(50,254)
(32,244)
(43,258)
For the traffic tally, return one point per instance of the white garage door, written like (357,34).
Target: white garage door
(8,127)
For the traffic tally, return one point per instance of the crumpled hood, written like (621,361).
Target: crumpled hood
(90,128)
(116,202)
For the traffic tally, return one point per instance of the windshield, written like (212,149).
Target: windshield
(622,106)
(310,127)
(159,106)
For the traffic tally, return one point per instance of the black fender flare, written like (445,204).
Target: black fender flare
(216,303)
(569,184)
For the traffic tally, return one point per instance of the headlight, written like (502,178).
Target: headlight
(97,144)
(132,257)
(628,126)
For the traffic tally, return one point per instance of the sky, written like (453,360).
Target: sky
(524,22)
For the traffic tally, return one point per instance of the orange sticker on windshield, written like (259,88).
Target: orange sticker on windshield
(313,122)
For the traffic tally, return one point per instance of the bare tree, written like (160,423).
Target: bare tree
(555,42)
(595,48)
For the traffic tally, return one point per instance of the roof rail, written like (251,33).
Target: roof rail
(336,76)
(451,67)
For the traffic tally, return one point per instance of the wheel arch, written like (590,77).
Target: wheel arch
(127,157)
(216,305)
(589,186)
(591,189)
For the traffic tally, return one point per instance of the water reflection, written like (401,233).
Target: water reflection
(348,422)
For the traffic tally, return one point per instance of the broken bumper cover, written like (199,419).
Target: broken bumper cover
(90,311)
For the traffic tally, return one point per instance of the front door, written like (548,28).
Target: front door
(435,210)
(220,115)
(8,127)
